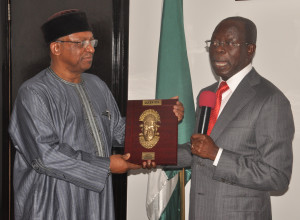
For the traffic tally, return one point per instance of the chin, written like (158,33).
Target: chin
(86,67)
(222,74)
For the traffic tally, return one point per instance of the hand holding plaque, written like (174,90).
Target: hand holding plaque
(151,131)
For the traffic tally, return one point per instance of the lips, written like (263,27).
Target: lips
(88,58)
(221,64)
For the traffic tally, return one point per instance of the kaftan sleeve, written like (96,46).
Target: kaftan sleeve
(118,122)
(33,134)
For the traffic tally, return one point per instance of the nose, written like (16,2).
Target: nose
(90,48)
(220,48)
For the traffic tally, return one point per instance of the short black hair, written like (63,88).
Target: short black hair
(250,28)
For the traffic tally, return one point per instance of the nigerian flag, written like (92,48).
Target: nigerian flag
(173,79)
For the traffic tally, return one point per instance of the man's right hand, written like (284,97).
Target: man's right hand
(119,164)
(149,164)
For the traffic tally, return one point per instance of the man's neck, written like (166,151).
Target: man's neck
(65,74)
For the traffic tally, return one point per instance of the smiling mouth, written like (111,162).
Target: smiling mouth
(220,63)
(88,58)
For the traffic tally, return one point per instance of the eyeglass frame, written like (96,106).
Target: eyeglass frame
(222,43)
(81,43)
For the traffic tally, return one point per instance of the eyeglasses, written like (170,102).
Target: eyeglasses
(226,44)
(82,44)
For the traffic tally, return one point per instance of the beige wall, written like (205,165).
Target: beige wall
(277,58)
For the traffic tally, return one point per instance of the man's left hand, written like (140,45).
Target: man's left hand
(203,146)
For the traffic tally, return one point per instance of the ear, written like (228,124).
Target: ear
(55,48)
(251,49)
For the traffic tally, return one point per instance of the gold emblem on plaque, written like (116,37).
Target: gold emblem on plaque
(149,127)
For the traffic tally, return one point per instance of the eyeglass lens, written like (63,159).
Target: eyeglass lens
(86,43)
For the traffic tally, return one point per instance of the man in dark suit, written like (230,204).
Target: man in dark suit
(248,151)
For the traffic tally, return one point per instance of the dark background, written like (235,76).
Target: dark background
(24,53)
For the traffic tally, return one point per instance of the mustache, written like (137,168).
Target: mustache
(89,55)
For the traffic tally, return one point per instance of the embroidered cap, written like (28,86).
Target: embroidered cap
(64,23)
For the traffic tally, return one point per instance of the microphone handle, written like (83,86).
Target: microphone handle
(204,119)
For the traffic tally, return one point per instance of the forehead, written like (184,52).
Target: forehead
(232,30)
(86,35)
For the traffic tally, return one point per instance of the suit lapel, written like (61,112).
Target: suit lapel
(241,96)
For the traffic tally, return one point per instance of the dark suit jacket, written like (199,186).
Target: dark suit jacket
(255,129)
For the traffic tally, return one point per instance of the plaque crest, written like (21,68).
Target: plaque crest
(150,123)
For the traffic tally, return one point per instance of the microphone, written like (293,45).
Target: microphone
(207,101)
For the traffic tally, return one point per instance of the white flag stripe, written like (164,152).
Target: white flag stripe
(159,192)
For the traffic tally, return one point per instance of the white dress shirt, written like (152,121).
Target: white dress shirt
(232,83)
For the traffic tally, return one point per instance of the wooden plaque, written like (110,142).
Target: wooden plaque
(151,131)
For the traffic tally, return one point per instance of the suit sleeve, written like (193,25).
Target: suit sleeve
(271,168)
(33,134)
(184,157)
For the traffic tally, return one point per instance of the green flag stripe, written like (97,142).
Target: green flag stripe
(173,79)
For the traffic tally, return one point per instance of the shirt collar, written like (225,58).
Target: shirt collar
(235,80)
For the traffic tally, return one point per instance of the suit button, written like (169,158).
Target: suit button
(200,164)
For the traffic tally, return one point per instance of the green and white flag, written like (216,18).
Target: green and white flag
(173,79)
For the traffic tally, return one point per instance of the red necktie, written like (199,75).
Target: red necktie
(215,111)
